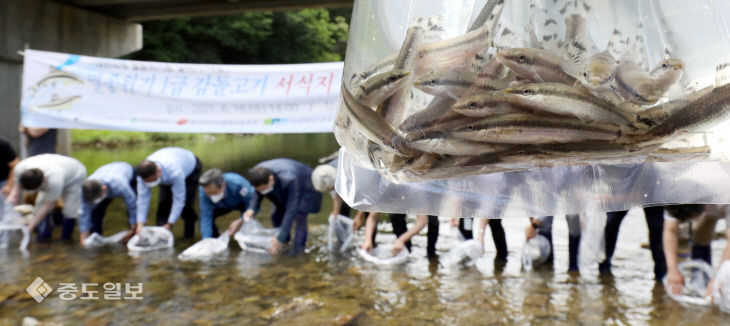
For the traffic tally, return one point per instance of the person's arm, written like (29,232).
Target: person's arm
(44,208)
(8,187)
(481,228)
(252,204)
(336,205)
(85,221)
(531,230)
(290,211)
(143,203)
(130,200)
(35,132)
(178,198)
(400,243)
(357,221)
(725,257)
(206,214)
(670,239)
(370,224)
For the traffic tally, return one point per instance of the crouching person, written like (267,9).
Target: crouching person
(114,180)
(221,193)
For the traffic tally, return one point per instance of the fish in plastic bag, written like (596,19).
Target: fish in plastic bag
(721,287)
(339,235)
(696,274)
(383,256)
(592,241)
(206,249)
(466,252)
(535,252)
(151,238)
(96,240)
(255,237)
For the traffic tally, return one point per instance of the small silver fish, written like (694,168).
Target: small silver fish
(636,85)
(538,65)
(379,87)
(486,104)
(534,129)
(561,99)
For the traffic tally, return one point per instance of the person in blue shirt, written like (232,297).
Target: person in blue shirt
(288,185)
(176,171)
(221,193)
(113,180)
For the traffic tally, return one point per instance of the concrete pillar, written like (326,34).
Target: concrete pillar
(50,26)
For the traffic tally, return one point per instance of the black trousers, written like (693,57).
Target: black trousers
(498,235)
(97,214)
(188,212)
(399,227)
(655,222)
(217,212)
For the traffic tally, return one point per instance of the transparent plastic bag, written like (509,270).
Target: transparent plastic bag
(96,240)
(383,256)
(696,274)
(255,237)
(466,252)
(592,248)
(206,249)
(399,121)
(535,252)
(151,238)
(14,236)
(721,287)
(339,233)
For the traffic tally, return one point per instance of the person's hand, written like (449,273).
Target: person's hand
(454,222)
(128,235)
(397,247)
(167,226)
(5,190)
(138,230)
(530,232)
(235,226)
(247,216)
(275,246)
(675,281)
(367,245)
(708,291)
(82,237)
(356,223)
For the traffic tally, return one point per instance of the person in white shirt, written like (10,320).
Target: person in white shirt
(53,176)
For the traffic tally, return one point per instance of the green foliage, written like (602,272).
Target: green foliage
(303,36)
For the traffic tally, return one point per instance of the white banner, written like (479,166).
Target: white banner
(78,92)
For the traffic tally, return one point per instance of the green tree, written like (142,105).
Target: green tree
(308,35)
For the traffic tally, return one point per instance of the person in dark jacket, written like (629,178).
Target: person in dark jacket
(221,193)
(288,185)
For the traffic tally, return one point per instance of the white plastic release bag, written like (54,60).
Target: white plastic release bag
(339,235)
(255,237)
(151,238)
(383,256)
(696,274)
(721,287)
(96,240)
(206,249)
(535,252)
(466,252)
(14,236)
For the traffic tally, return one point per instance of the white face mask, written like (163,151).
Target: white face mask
(100,199)
(217,198)
(152,183)
(264,192)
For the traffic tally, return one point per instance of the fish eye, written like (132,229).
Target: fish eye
(585,74)
(469,127)
(527,92)
(473,105)
(433,82)
(636,95)
(664,65)
(392,78)
(522,58)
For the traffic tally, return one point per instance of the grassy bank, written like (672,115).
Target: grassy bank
(110,138)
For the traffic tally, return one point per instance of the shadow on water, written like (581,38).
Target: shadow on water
(323,289)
